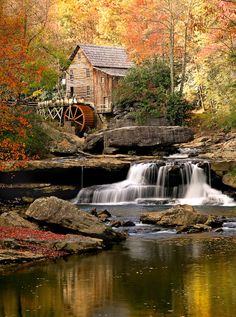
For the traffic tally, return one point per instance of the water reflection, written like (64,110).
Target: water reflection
(180,276)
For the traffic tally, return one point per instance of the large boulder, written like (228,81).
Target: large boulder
(146,136)
(94,143)
(180,216)
(66,216)
(63,143)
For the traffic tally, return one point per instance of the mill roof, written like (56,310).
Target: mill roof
(104,56)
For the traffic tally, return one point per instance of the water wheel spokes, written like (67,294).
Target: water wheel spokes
(82,116)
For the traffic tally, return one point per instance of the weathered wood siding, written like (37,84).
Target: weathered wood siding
(79,78)
(102,91)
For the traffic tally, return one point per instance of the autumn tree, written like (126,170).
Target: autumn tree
(213,71)
(163,28)
(18,67)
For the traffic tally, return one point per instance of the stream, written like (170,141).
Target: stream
(154,273)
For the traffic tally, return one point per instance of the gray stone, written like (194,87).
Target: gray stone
(183,216)
(136,137)
(13,219)
(146,136)
(94,143)
(62,142)
(179,215)
(110,150)
(78,244)
(195,229)
(64,214)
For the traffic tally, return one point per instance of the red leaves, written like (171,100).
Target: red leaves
(20,233)
(24,235)
(13,129)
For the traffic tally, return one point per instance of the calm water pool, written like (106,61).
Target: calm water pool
(149,275)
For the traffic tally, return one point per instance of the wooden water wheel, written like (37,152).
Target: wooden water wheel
(82,116)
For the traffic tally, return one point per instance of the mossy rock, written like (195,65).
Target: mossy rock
(229,179)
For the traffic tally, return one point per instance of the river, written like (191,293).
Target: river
(152,274)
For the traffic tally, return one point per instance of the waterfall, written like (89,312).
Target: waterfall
(158,182)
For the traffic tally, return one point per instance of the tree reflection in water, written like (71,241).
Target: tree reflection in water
(174,276)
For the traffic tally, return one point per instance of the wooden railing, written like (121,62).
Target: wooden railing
(28,103)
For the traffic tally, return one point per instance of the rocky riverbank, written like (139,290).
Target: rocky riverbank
(49,228)
(73,168)
(65,176)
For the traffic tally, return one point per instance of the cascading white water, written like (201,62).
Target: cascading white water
(182,182)
(201,193)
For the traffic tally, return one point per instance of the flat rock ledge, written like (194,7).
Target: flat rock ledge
(66,230)
(184,218)
(121,140)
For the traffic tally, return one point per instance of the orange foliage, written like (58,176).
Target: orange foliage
(13,56)
(17,67)
(221,36)
(149,25)
(12,149)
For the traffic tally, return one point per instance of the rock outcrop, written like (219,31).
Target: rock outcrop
(62,143)
(65,216)
(146,136)
(21,244)
(13,219)
(229,179)
(53,228)
(182,217)
(124,139)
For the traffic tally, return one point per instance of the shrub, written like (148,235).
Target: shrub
(177,110)
(146,91)
(22,136)
(37,140)
(224,120)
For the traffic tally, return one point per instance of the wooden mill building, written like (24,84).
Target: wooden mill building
(94,73)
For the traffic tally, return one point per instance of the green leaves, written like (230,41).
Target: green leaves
(146,89)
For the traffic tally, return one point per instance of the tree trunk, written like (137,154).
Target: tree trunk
(184,61)
(172,54)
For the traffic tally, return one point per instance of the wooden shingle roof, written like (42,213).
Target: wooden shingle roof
(105,56)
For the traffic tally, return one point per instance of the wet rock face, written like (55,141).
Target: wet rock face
(65,215)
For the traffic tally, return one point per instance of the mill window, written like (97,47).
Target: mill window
(88,91)
(71,91)
(71,74)
(87,72)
